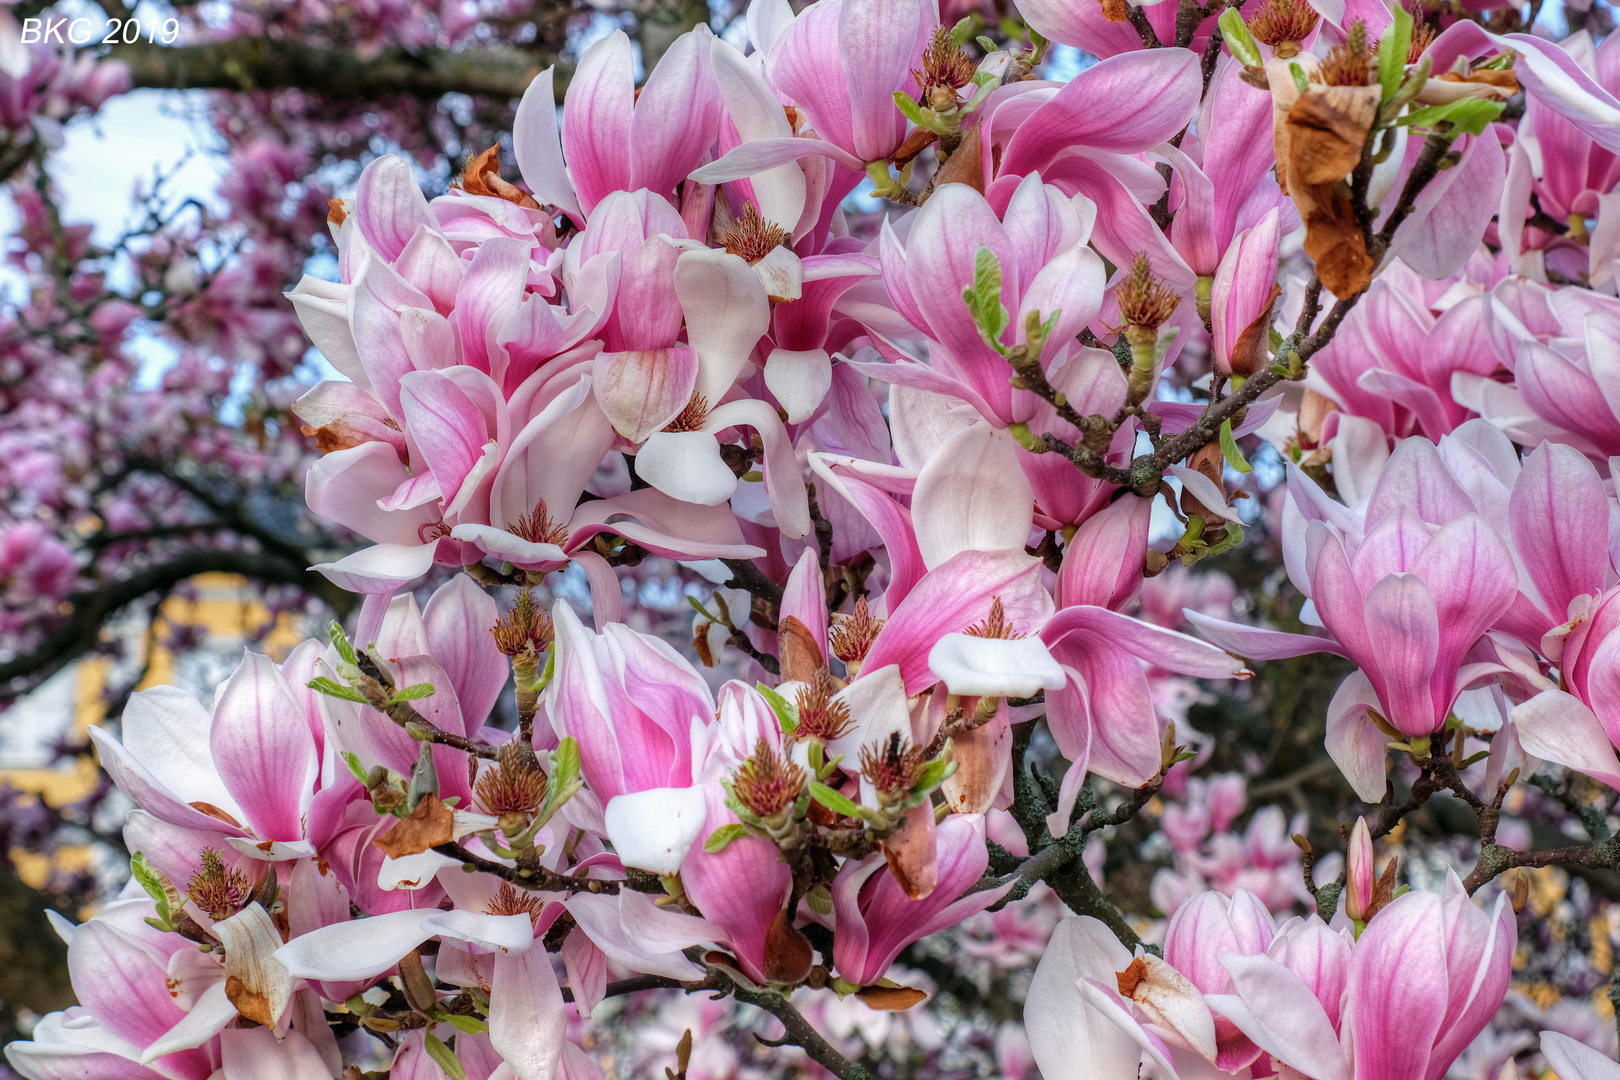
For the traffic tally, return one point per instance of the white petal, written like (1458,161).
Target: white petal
(1576,1061)
(1204,490)
(653,829)
(380,568)
(251,941)
(972,496)
(800,380)
(354,950)
(878,706)
(977,666)
(499,933)
(1069,1039)
(212,1011)
(1560,728)
(686,465)
(781,275)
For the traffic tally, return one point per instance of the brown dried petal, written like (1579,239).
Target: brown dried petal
(1327,127)
(966,165)
(800,655)
(432,823)
(788,955)
(1252,350)
(891,998)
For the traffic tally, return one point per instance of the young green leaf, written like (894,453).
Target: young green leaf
(152,881)
(340,641)
(415,692)
(724,835)
(1392,50)
(835,801)
(441,1055)
(353,762)
(1229,449)
(1301,83)
(909,108)
(470,1024)
(1238,39)
(983,299)
(787,714)
(564,762)
(1472,115)
(932,775)
(326,686)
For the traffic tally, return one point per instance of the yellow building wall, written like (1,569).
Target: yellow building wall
(225,608)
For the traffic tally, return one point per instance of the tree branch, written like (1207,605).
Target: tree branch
(88,610)
(247,62)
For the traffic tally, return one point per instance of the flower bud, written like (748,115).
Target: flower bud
(1358,893)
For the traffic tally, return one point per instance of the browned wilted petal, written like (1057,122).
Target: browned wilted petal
(1116,10)
(1207,459)
(966,165)
(919,140)
(982,759)
(912,853)
(1327,127)
(788,955)
(1334,240)
(1252,351)
(890,998)
(432,823)
(800,655)
(1313,413)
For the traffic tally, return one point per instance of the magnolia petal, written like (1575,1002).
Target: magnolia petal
(354,950)
(380,568)
(973,666)
(652,830)
(1560,728)
(686,465)
(526,1021)
(258,984)
(799,380)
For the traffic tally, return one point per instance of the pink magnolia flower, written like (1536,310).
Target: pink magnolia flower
(875,919)
(1103,717)
(617,139)
(1423,979)
(636,707)
(1392,360)
(1407,599)
(1039,238)
(1206,928)
(744,887)
(259,772)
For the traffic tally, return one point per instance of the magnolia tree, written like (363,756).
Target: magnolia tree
(933,465)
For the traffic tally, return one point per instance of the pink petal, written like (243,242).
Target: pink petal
(457,621)
(536,146)
(877,41)
(389,205)
(643,391)
(676,116)
(263,749)
(1125,104)
(1354,742)
(597,120)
